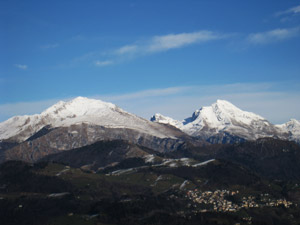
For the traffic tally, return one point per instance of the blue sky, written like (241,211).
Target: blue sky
(153,56)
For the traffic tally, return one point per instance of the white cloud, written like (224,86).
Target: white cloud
(171,41)
(22,67)
(146,94)
(273,35)
(103,63)
(293,10)
(164,43)
(153,45)
(127,49)
(296,9)
(50,46)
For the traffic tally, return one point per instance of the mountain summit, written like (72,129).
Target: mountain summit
(224,122)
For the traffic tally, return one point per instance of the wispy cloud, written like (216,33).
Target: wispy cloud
(127,49)
(48,46)
(172,41)
(158,44)
(273,35)
(169,42)
(293,10)
(78,37)
(20,66)
(103,63)
(146,94)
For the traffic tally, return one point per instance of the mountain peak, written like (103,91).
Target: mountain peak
(80,98)
(165,120)
(79,106)
(224,117)
(225,105)
(227,110)
(294,121)
(223,102)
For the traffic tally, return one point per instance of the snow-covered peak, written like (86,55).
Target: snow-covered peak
(223,116)
(225,104)
(78,107)
(293,124)
(293,128)
(165,120)
(224,110)
(220,115)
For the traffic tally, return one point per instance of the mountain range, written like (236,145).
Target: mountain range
(222,122)
(83,121)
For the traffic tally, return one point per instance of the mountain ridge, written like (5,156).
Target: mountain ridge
(76,111)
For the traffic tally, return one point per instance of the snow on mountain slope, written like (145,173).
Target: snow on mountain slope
(77,111)
(166,120)
(293,128)
(221,117)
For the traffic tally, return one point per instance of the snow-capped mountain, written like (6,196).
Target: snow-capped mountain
(223,122)
(77,111)
(80,122)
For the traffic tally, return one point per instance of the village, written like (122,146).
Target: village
(218,201)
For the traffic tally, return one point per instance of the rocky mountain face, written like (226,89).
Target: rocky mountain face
(222,122)
(81,122)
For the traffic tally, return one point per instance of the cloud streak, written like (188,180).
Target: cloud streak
(146,94)
(127,49)
(293,10)
(161,43)
(103,63)
(20,66)
(169,42)
(273,35)
(172,41)
(49,46)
